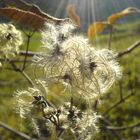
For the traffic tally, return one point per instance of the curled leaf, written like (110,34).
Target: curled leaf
(96,28)
(24,5)
(113,18)
(73,15)
(23,17)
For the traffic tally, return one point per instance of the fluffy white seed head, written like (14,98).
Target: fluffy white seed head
(24,100)
(87,126)
(74,62)
(10,39)
(55,34)
(49,36)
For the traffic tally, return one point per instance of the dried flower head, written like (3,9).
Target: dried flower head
(55,34)
(10,40)
(46,117)
(87,126)
(76,64)
(82,124)
(70,61)
(26,100)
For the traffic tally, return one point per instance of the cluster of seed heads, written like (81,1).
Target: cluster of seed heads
(72,61)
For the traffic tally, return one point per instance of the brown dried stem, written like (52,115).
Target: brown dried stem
(117,103)
(27,48)
(123,128)
(110,37)
(128,50)
(15,68)
(114,132)
(20,134)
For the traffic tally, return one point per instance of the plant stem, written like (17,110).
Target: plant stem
(27,48)
(110,37)
(22,135)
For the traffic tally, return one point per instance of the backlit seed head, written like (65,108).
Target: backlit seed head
(56,34)
(74,63)
(10,40)
(26,100)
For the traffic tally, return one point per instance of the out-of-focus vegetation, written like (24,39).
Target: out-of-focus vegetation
(102,8)
(125,114)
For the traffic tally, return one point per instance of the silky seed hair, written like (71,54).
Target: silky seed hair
(68,60)
(76,63)
(10,40)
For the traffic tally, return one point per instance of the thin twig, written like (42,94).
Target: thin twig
(119,54)
(95,106)
(27,77)
(61,133)
(29,54)
(22,72)
(71,103)
(110,37)
(23,53)
(15,60)
(129,50)
(107,122)
(123,128)
(121,90)
(20,134)
(117,104)
(27,48)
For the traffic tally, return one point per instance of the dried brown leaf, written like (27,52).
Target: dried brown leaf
(113,18)
(21,4)
(96,28)
(73,15)
(23,17)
